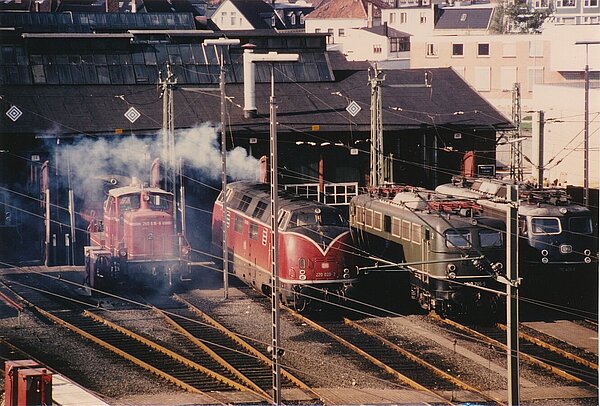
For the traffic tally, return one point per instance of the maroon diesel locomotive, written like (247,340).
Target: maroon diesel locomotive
(136,239)
(317,262)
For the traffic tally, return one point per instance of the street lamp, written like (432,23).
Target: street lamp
(586,139)
(223,42)
(272,57)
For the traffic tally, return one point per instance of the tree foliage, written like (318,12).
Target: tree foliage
(519,17)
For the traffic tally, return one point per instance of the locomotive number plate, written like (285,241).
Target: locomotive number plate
(324,274)
(477,283)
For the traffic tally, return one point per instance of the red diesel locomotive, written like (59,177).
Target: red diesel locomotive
(317,262)
(136,239)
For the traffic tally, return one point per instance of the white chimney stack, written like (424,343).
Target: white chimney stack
(250,74)
(249,82)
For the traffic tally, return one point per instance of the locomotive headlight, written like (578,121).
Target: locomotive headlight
(566,249)
(123,252)
(545,253)
(587,260)
(587,253)
(346,273)
(563,210)
(544,260)
(302,263)
(451,268)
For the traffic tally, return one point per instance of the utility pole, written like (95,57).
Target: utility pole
(586,139)
(378,166)
(168,127)
(275,349)
(516,144)
(223,42)
(512,291)
(538,147)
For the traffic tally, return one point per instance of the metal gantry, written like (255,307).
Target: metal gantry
(376,78)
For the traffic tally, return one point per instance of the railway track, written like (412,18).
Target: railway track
(249,365)
(175,368)
(9,352)
(561,362)
(406,367)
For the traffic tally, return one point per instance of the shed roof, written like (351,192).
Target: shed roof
(85,109)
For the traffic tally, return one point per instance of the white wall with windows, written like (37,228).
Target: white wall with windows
(338,29)
(366,46)
(228,17)
(415,20)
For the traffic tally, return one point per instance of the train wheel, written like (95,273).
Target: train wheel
(300,303)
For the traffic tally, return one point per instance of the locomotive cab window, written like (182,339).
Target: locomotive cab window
(490,238)
(581,225)
(458,239)
(310,218)
(259,209)
(244,203)
(545,225)
(159,202)
(127,203)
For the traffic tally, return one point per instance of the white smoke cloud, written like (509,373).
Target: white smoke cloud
(132,156)
(200,148)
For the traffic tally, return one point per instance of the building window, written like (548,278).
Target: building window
(330,39)
(392,18)
(293,19)
(223,18)
(301,18)
(233,17)
(399,44)
(483,78)
(341,32)
(508,77)
(565,3)
(463,17)
(432,49)
(403,18)
(317,30)
(535,76)
(376,48)
(536,49)
(509,50)
(457,49)
(483,49)
(423,18)
(590,3)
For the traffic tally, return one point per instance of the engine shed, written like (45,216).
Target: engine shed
(93,76)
